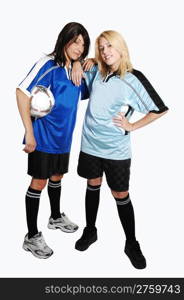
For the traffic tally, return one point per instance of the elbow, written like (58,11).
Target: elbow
(165,110)
(162,111)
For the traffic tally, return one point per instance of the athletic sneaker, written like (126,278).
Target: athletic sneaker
(37,246)
(62,223)
(88,237)
(133,251)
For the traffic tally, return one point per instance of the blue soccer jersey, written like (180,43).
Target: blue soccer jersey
(53,132)
(100,137)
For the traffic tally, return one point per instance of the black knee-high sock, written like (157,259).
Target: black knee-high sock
(91,205)
(32,206)
(126,215)
(54,192)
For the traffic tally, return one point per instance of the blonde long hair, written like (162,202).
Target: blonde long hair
(117,41)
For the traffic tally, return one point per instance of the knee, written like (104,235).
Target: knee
(119,195)
(56,177)
(95,181)
(38,184)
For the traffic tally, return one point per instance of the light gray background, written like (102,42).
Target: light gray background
(153,31)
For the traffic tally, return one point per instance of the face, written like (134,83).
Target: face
(75,49)
(109,54)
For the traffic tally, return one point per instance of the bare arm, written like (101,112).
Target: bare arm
(122,122)
(79,69)
(23,102)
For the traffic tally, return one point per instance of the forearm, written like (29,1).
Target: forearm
(23,102)
(147,119)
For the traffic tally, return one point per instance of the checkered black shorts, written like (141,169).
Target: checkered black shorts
(117,171)
(42,165)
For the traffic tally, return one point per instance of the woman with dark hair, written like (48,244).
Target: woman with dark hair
(48,139)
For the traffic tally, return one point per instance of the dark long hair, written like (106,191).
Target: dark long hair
(69,33)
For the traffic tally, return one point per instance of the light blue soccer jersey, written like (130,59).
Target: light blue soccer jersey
(53,133)
(100,137)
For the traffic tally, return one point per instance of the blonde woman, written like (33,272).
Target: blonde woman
(116,91)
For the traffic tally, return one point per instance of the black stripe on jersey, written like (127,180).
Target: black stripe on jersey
(151,91)
(130,110)
(109,76)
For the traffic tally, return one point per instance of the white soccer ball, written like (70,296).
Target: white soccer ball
(42,101)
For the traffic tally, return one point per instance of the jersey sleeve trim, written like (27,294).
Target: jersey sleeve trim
(24,85)
(160,111)
(24,91)
(151,91)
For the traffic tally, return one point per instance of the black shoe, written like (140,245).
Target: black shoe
(135,255)
(88,237)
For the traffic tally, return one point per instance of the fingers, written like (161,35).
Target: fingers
(88,65)
(74,79)
(118,125)
(119,117)
(119,120)
(29,148)
(77,77)
(84,64)
(122,115)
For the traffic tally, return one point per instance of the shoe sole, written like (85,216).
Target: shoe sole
(36,255)
(87,246)
(61,228)
(135,264)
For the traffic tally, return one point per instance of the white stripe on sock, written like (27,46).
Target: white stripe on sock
(54,185)
(91,189)
(36,194)
(123,202)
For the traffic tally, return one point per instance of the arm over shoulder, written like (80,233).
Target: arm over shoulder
(90,76)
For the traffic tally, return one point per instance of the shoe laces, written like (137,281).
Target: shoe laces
(67,221)
(39,240)
(59,220)
(65,218)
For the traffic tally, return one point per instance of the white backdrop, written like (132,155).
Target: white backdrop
(153,31)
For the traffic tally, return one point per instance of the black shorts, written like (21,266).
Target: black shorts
(42,165)
(117,171)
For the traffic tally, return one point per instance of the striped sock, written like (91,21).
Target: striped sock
(126,215)
(54,192)
(91,204)
(32,205)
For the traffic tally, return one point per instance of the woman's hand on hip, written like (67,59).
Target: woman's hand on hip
(121,121)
